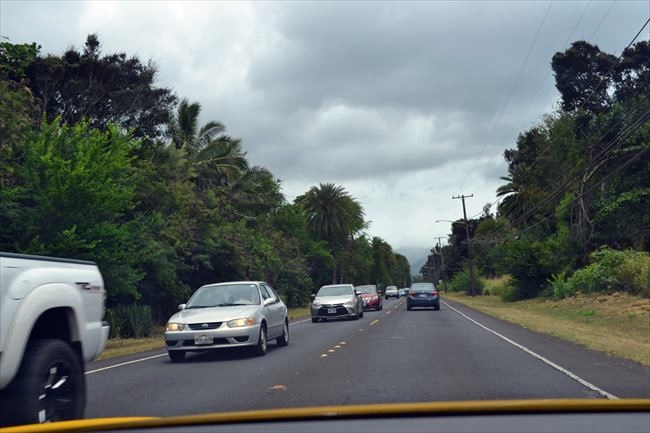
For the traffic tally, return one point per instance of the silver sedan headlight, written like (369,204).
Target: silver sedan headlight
(316,303)
(238,323)
(350,303)
(174,326)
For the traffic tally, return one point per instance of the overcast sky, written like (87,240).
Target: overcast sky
(404,104)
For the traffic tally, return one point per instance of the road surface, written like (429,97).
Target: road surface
(392,355)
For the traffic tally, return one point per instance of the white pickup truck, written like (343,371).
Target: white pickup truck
(51,313)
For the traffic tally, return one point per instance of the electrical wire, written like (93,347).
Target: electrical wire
(514,85)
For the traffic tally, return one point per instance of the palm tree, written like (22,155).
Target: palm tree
(256,191)
(333,215)
(519,197)
(217,157)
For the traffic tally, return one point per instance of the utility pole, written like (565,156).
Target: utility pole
(442,262)
(469,253)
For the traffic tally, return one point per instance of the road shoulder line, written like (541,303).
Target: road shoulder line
(538,356)
(125,363)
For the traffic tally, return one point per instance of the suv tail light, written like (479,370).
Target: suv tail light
(434,293)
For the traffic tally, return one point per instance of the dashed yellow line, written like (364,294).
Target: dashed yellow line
(343,343)
(323,355)
(374,321)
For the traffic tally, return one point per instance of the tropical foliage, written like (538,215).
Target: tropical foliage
(577,182)
(99,163)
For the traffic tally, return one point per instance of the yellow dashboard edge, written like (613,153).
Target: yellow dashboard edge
(351,411)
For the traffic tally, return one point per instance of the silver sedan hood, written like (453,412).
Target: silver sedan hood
(333,299)
(215,314)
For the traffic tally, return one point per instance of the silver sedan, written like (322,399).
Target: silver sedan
(336,301)
(234,314)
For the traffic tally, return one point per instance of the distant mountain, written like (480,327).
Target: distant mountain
(416,256)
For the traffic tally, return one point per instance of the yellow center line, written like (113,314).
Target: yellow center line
(342,342)
(374,321)
(323,355)
(337,347)
(331,351)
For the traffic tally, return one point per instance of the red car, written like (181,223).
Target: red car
(372,300)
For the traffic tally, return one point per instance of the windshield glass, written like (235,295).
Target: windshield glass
(224,296)
(366,289)
(335,291)
(205,178)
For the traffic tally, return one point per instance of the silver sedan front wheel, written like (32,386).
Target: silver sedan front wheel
(283,340)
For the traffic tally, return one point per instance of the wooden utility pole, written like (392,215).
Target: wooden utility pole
(469,253)
(442,262)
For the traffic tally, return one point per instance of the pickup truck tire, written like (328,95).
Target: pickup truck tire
(49,386)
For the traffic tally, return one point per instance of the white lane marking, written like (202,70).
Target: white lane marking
(374,321)
(157,356)
(125,363)
(301,321)
(573,376)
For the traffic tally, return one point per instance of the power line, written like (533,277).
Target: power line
(564,185)
(608,149)
(539,87)
(600,82)
(514,85)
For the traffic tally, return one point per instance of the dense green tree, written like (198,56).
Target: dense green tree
(109,89)
(583,76)
(73,191)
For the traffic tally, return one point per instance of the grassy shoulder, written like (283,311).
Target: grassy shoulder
(618,324)
(127,346)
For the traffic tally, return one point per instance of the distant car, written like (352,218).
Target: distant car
(423,295)
(403,292)
(391,292)
(371,298)
(336,301)
(234,314)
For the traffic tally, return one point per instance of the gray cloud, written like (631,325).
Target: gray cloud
(397,101)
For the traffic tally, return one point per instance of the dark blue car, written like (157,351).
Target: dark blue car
(423,295)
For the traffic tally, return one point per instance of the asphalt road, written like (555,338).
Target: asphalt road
(392,355)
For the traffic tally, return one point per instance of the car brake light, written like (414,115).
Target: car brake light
(434,293)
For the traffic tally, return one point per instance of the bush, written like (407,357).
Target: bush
(609,271)
(461,281)
(560,287)
(130,321)
(497,286)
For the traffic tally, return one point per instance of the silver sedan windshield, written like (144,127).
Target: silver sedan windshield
(225,296)
(335,291)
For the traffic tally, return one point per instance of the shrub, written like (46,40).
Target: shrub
(609,271)
(130,321)
(461,281)
(560,287)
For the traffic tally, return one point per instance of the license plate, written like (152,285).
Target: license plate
(331,311)
(203,339)
(422,295)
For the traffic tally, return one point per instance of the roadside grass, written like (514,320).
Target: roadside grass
(127,346)
(618,324)
(299,312)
